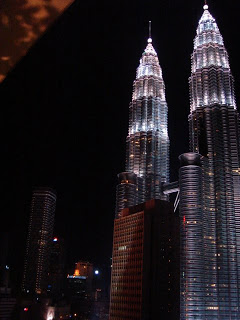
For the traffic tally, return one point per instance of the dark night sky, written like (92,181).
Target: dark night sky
(65,111)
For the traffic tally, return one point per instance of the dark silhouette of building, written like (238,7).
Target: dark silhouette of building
(79,283)
(57,269)
(7,304)
(145,263)
(79,289)
(39,241)
(4,267)
(101,293)
(7,297)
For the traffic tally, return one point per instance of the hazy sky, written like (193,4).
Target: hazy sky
(21,23)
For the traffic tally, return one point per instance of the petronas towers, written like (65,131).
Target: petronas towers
(147,159)
(209,175)
(214,134)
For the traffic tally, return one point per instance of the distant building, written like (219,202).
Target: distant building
(7,300)
(100,310)
(79,289)
(79,284)
(7,304)
(4,269)
(101,294)
(56,279)
(39,240)
(145,263)
(84,269)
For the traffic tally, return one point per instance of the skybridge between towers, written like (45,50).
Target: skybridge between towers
(172,187)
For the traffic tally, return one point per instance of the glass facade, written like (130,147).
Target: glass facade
(147,154)
(214,133)
(191,239)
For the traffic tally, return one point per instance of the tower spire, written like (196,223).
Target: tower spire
(205,7)
(149,31)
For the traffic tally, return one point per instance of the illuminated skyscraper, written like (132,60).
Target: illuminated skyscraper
(147,155)
(145,261)
(214,133)
(191,237)
(39,241)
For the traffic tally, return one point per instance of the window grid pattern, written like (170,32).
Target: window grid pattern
(39,240)
(191,240)
(127,266)
(214,133)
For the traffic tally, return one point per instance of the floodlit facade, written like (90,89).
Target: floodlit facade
(145,272)
(147,152)
(39,241)
(192,297)
(214,133)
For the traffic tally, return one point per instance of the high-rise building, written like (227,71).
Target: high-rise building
(39,241)
(145,264)
(214,133)
(145,273)
(147,155)
(191,239)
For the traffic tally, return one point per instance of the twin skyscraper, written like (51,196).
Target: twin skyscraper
(208,187)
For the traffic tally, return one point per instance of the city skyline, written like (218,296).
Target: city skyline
(76,174)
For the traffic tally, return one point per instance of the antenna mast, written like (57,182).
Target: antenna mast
(149,28)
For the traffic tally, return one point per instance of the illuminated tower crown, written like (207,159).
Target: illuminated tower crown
(211,81)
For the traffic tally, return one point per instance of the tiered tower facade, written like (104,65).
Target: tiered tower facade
(147,152)
(145,260)
(214,133)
